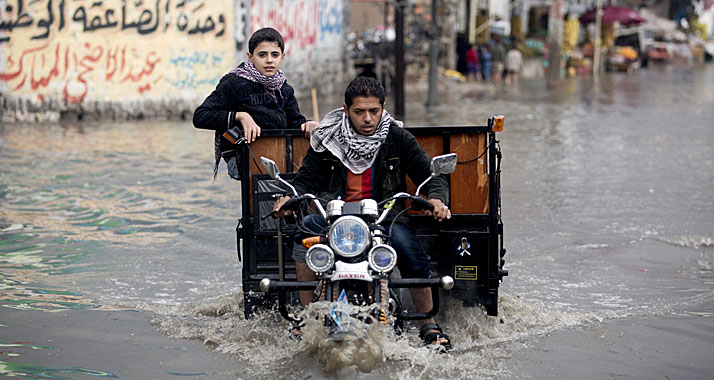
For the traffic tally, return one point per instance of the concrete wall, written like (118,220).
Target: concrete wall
(154,58)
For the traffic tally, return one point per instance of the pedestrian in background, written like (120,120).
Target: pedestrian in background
(514,63)
(498,55)
(486,63)
(472,63)
(252,96)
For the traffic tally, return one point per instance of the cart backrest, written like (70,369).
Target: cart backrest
(469,183)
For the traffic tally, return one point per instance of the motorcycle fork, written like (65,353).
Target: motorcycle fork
(383,299)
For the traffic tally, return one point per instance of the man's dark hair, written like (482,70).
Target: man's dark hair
(364,87)
(265,34)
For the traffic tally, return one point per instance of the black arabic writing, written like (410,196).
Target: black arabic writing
(97,17)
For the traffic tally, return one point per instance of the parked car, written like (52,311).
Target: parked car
(657,52)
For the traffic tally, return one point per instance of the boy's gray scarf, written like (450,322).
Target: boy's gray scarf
(248,71)
(357,152)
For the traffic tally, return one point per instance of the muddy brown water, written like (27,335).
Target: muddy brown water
(607,192)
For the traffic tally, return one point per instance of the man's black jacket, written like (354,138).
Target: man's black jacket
(324,175)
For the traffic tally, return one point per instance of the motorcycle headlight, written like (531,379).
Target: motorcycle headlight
(319,258)
(349,236)
(382,258)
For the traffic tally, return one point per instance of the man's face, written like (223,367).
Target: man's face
(267,57)
(364,114)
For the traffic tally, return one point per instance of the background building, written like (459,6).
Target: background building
(159,58)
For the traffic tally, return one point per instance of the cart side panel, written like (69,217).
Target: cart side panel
(433,144)
(469,183)
(300,146)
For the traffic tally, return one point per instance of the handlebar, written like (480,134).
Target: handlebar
(421,204)
(418,203)
(291,204)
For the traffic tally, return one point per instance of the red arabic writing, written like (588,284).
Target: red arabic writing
(71,65)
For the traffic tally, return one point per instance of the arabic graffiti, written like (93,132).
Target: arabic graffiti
(187,61)
(242,19)
(303,23)
(69,67)
(79,51)
(162,16)
(113,50)
(330,20)
(313,32)
(296,20)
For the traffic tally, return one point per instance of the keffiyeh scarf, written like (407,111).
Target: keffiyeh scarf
(357,152)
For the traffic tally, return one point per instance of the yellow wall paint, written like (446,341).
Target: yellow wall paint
(114,50)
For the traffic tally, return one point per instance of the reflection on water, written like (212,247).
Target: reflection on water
(74,196)
(11,352)
(25,258)
(607,208)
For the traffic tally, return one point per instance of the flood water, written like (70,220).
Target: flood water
(608,207)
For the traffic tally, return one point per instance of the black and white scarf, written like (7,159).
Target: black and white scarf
(357,152)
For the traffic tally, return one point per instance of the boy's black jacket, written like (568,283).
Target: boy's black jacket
(235,94)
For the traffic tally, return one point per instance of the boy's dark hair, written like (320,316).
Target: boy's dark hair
(364,87)
(265,34)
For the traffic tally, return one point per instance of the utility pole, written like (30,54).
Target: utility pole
(596,53)
(433,57)
(555,41)
(399,60)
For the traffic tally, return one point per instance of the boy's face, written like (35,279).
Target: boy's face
(267,57)
(364,114)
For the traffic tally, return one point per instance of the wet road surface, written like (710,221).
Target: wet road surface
(609,225)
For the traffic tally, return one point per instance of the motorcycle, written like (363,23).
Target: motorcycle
(352,258)
(468,248)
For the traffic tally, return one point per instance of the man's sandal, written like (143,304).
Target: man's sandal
(296,331)
(430,338)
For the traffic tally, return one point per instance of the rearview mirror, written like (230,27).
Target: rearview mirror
(271,167)
(444,164)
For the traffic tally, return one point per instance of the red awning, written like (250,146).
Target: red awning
(624,16)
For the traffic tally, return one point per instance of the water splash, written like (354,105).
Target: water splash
(266,346)
(689,241)
(353,344)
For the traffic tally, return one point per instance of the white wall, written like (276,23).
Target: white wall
(155,58)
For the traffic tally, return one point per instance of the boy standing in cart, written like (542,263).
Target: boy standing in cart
(253,96)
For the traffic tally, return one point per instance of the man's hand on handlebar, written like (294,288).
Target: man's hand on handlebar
(278,205)
(440,212)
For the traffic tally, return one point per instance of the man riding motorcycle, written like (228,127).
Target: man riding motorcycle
(358,152)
